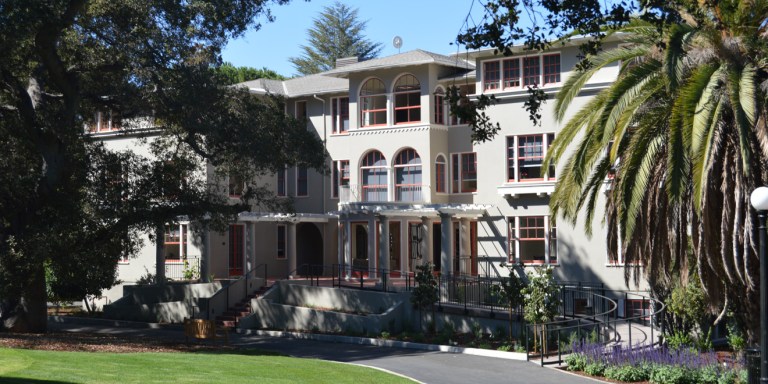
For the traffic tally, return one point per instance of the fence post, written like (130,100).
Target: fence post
(559,347)
(465,297)
(629,323)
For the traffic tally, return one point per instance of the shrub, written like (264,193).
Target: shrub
(504,348)
(594,369)
(668,374)
(678,340)
(628,373)
(707,375)
(576,361)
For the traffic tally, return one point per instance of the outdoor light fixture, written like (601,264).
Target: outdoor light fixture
(759,200)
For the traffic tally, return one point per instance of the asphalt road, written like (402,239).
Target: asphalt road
(426,367)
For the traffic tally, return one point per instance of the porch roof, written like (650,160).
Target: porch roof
(416,210)
(285,217)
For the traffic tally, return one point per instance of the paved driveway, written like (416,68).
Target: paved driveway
(427,367)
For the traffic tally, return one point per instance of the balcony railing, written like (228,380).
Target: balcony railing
(408,193)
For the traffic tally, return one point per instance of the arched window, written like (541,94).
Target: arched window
(407,100)
(440,184)
(373,173)
(408,176)
(373,103)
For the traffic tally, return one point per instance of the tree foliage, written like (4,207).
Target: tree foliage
(229,74)
(682,133)
(425,292)
(69,202)
(335,34)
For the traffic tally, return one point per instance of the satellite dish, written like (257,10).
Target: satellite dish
(397,42)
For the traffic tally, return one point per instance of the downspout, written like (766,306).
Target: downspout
(325,148)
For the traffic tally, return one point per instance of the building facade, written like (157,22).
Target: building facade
(407,185)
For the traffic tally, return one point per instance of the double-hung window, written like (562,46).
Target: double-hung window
(302,182)
(236,186)
(440,167)
(340,176)
(491,72)
(282,188)
(340,114)
(532,240)
(525,156)
(463,172)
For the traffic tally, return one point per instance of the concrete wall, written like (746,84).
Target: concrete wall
(298,307)
(169,303)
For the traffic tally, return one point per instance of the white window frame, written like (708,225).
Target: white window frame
(516,159)
(513,240)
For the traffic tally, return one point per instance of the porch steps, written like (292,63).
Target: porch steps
(231,317)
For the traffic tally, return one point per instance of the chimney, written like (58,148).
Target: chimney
(344,61)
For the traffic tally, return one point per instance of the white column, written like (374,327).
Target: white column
(465,250)
(250,247)
(371,244)
(426,240)
(348,247)
(160,254)
(205,255)
(446,240)
(383,246)
(291,249)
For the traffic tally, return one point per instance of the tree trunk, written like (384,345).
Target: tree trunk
(31,313)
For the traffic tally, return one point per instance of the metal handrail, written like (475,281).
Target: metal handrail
(598,321)
(226,289)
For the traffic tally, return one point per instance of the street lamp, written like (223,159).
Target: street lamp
(759,200)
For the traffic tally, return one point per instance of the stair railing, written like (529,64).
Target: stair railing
(213,307)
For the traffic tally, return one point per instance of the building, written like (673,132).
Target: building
(407,185)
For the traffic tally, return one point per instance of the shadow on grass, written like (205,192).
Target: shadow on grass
(240,351)
(16,380)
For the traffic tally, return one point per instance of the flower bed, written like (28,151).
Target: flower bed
(655,365)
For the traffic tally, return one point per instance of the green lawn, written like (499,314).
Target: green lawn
(32,366)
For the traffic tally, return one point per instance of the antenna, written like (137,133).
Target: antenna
(397,42)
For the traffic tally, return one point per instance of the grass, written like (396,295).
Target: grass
(30,366)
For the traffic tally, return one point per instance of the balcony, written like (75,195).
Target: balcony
(406,193)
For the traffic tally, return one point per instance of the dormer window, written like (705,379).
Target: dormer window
(407,93)
(373,103)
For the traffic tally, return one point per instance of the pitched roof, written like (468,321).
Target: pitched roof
(414,57)
(299,86)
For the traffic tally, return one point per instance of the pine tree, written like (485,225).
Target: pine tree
(336,33)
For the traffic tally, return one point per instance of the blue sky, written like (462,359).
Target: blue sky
(422,24)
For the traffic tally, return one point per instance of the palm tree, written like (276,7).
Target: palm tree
(681,137)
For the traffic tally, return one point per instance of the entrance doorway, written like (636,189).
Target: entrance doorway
(309,248)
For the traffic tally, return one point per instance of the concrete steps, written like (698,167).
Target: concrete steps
(231,317)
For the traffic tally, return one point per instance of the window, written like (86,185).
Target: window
(506,74)
(551,69)
(282,188)
(464,90)
(340,175)
(236,235)
(373,172)
(439,106)
(408,176)
(525,156)
(340,114)
(105,121)
(464,172)
(491,73)
(175,242)
(531,240)
(531,71)
(301,110)
(511,73)
(281,241)
(407,100)
(636,308)
(440,174)
(236,186)
(302,184)
(373,103)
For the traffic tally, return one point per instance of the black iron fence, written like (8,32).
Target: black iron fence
(183,269)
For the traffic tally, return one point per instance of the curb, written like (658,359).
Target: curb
(388,343)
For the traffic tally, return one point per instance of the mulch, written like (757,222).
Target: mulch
(85,342)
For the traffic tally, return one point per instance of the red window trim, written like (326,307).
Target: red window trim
(491,76)
(544,69)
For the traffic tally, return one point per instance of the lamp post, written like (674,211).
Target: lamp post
(759,200)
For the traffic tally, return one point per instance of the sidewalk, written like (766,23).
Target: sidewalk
(423,366)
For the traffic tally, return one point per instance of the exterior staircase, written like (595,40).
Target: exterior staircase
(232,316)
